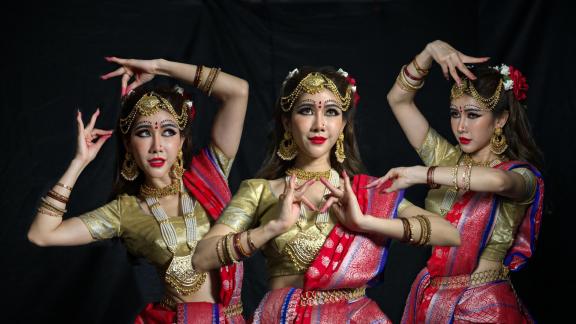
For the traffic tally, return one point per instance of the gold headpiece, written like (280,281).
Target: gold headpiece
(313,83)
(149,104)
(466,87)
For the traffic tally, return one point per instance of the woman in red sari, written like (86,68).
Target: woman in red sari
(488,186)
(162,210)
(323,234)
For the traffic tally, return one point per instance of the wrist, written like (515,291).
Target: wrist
(161,67)
(366,224)
(425,57)
(272,229)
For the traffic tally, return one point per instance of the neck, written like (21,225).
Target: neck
(312,164)
(158,182)
(483,155)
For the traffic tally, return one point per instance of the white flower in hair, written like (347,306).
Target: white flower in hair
(508,84)
(342,72)
(188,103)
(290,75)
(353,88)
(504,70)
(179,89)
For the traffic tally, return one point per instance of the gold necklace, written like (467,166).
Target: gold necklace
(180,274)
(308,175)
(169,190)
(467,160)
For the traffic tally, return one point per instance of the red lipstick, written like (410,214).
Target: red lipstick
(464,140)
(317,139)
(156,162)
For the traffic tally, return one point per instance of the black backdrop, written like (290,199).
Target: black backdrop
(53,54)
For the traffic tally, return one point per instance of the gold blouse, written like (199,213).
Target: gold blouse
(436,150)
(139,230)
(287,254)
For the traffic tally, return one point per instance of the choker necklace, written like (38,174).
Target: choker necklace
(150,191)
(180,274)
(308,175)
(467,160)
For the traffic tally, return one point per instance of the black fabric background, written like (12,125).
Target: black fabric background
(53,54)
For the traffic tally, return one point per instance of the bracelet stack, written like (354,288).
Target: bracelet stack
(207,84)
(409,82)
(230,250)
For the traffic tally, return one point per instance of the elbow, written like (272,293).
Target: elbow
(500,182)
(36,239)
(242,89)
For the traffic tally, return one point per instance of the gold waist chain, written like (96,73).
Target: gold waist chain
(320,297)
(231,310)
(470,280)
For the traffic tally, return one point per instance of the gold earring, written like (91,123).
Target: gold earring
(339,152)
(177,169)
(287,150)
(129,168)
(498,142)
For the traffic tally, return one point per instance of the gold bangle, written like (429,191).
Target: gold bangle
(455,177)
(45,211)
(213,81)
(428,229)
(405,85)
(466,177)
(407,232)
(238,244)
(250,242)
(230,248)
(60,184)
(197,76)
(219,252)
(420,70)
(58,197)
(50,206)
(209,80)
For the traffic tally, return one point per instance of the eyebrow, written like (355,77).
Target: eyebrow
(167,122)
(142,124)
(306,101)
(333,102)
(471,107)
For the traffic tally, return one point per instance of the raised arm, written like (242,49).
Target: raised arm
(48,228)
(230,90)
(411,78)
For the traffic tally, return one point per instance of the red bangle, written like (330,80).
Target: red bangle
(430,178)
(410,76)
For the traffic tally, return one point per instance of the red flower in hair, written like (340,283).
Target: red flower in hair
(520,86)
(352,82)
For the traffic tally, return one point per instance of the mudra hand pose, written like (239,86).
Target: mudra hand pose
(164,205)
(323,234)
(487,186)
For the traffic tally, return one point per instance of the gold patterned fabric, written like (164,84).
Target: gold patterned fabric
(287,254)
(140,232)
(436,150)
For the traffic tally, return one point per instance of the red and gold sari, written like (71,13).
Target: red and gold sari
(344,266)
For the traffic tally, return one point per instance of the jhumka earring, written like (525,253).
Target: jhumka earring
(177,169)
(498,143)
(129,168)
(287,150)
(339,152)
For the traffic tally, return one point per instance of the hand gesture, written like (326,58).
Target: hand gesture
(90,139)
(401,177)
(451,60)
(344,204)
(289,203)
(142,71)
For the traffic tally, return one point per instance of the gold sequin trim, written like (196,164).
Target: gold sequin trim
(320,297)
